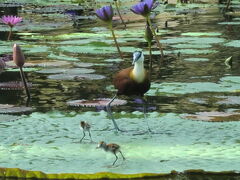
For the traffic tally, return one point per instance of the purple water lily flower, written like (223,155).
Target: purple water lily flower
(11,20)
(144,7)
(105,13)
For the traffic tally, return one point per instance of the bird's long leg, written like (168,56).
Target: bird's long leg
(110,113)
(115,159)
(145,114)
(90,135)
(83,136)
(122,155)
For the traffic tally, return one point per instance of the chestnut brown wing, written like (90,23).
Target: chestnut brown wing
(122,81)
(127,86)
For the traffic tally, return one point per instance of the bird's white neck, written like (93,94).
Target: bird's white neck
(138,71)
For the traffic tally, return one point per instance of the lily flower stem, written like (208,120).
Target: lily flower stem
(115,40)
(9,34)
(116,4)
(150,54)
(155,35)
(150,64)
(24,82)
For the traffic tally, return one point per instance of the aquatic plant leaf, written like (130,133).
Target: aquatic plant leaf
(62,57)
(82,64)
(193,40)
(230,23)
(76,77)
(196,59)
(229,100)
(28,69)
(234,43)
(194,51)
(96,102)
(190,46)
(73,71)
(14,85)
(94,50)
(201,34)
(53,64)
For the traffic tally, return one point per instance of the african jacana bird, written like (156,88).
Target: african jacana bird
(113,148)
(85,127)
(131,81)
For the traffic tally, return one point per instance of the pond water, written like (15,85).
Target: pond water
(193,103)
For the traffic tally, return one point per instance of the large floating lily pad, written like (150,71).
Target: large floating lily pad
(230,23)
(229,100)
(28,69)
(96,102)
(62,57)
(193,40)
(215,116)
(190,46)
(82,64)
(53,63)
(73,71)
(95,50)
(234,43)
(196,59)
(11,109)
(76,77)
(201,34)
(13,85)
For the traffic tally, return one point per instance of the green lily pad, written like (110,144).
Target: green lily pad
(31,49)
(62,57)
(73,71)
(229,100)
(196,59)
(194,40)
(76,77)
(187,46)
(26,69)
(82,64)
(234,43)
(94,49)
(201,34)
(194,51)
(230,23)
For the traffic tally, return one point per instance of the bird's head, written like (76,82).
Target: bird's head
(101,144)
(82,123)
(138,57)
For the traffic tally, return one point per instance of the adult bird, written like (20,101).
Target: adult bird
(134,80)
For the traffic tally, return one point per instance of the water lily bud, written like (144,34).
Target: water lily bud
(18,56)
(148,34)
